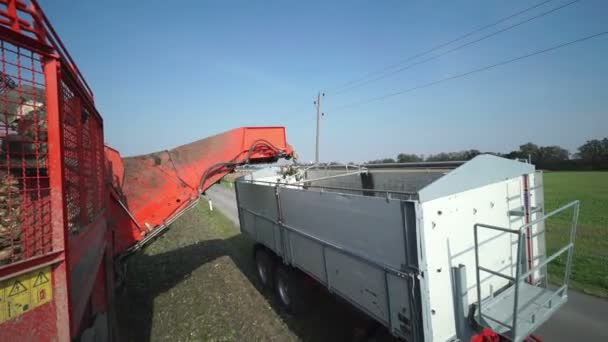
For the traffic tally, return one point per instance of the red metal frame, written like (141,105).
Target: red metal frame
(51,319)
(76,256)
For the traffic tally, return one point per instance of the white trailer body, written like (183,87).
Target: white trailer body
(418,249)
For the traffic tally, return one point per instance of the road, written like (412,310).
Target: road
(583,318)
(224,199)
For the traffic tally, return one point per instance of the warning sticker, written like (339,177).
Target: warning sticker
(17,296)
(42,291)
(24,293)
(2,304)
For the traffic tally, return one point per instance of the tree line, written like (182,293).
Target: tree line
(593,153)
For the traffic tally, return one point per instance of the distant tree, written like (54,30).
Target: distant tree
(515,155)
(408,158)
(381,161)
(539,154)
(594,150)
(525,151)
(438,157)
(529,149)
(453,156)
(469,154)
(552,154)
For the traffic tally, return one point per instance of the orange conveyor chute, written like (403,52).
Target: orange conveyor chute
(148,191)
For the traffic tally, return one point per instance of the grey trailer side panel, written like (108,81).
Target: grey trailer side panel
(308,255)
(265,233)
(248,222)
(359,282)
(371,226)
(258,213)
(404,181)
(408,211)
(362,248)
(259,199)
(402,315)
(262,229)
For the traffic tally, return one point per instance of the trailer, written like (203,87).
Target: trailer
(433,252)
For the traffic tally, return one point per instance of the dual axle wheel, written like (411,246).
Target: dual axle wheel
(286,282)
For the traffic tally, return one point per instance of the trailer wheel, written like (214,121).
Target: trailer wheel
(288,285)
(264,265)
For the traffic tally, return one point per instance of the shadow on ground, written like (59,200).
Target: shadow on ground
(151,277)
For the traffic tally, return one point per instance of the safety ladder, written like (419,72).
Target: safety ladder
(526,204)
(524,304)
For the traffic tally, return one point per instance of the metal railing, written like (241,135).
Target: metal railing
(518,279)
(410,195)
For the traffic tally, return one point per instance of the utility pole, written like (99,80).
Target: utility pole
(318,103)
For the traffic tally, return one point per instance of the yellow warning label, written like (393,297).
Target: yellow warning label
(24,293)
(17,296)
(2,304)
(42,291)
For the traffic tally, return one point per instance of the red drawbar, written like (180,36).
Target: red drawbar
(487,335)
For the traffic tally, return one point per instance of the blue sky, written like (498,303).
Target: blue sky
(167,73)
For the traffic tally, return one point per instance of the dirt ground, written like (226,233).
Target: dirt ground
(197,283)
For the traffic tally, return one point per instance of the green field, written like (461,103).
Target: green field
(590,267)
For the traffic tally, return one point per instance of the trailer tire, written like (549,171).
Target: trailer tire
(289,289)
(265,268)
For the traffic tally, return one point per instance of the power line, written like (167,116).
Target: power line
(437,47)
(538,52)
(409,66)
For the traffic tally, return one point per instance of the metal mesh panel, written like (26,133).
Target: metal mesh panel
(100,165)
(83,161)
(88,167)
(93,164)
(71,160)
(25,211)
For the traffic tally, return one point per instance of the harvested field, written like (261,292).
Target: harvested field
(197,283)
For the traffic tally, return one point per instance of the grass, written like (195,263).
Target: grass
(197,282)
(227,184)
(590,265)
(229,179)
(194,283)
